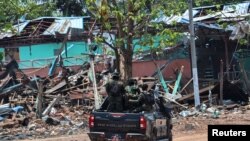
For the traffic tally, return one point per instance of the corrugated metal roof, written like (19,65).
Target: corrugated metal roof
(235,12)
(240,11)
(241,8)
(186,14)
(173,19)
(61,26)
(18,28)
(228,13)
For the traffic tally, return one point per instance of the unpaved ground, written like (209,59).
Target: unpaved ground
(193,128)
(84,137)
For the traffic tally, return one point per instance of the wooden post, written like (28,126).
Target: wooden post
(221,82)
(226,56)
(52,103)
(39,100)
(186,85)
(177,82)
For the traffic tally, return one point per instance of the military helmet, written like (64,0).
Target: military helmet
(115,75)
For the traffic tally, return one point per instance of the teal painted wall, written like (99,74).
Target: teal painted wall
(2,52)
(37,56)
(138,47)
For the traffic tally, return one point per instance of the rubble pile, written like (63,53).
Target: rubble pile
(23,125)
(35,107)
(195,121)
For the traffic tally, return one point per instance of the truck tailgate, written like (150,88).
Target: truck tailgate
(117,122)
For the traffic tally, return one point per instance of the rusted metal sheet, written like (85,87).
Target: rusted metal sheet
(4,82)
(56,87)
(80,95)
(192,94)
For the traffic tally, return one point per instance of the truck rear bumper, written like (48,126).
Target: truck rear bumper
(135,136)
(100,136)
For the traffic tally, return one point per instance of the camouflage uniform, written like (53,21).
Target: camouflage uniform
(143,101)
(115,98)
(132,89)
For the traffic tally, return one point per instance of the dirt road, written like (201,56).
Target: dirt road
(185,129)
(192,137)
(84,137)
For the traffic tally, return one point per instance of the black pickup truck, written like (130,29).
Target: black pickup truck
(153,126)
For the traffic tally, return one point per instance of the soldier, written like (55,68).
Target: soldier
(115,90)
(132,89)
(145,100)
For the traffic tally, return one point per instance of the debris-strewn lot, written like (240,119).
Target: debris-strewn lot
(65,121)
(60,104)
(189,128)
(35,107)
(198,123)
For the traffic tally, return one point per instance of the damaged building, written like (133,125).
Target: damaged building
(39,45)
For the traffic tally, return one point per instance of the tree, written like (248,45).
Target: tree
(129,20)
(70,7)
(12,10)
(132,19)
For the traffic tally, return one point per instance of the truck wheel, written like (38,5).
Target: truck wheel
(152,138)
(153,135)
(170,136)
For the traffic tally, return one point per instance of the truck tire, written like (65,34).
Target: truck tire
(153,135)
(93,139)
(170,136)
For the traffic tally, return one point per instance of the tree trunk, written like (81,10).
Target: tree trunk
(117,61)
(126,65)
(126,55)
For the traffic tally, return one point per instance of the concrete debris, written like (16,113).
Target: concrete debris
(35,107)
(60,114)
(187,113)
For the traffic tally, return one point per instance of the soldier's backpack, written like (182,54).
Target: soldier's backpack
(149,98)
(115,89)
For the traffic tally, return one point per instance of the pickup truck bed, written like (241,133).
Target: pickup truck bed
(129,126)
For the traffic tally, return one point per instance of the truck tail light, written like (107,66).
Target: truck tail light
(91,121)
(143,123)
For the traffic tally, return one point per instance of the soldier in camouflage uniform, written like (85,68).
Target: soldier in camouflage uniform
(145,100)
(132,88)
(115,90)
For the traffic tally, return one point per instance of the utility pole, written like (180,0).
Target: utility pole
(96,95)
(193,55)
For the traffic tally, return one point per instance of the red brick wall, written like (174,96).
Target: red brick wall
(140,68)
(147,68)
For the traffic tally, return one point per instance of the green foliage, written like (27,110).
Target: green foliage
(71,7)
(141,12)
(244,41)
(12,10)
